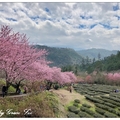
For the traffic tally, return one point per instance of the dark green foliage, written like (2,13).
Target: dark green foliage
(110,115)
(111,101)
(99,110)
(94,99)
(118,113)
(87,110)
(77,101)
(109,104)
(84,114)
(75,104)
(97,115)
(86,105)
(72,115)
(106,108)
(110,63)
(73,109)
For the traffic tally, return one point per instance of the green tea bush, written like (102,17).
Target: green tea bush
(77,101)
(118,113)
(109,104)
(94,99)
(72,115)
(111,101)
(73,109)
(87,110)
(99,110)
(97,115)
(84,114)
(75,104)
(110,115)
(86,105)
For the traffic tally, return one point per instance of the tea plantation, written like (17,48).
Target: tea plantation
(104,97)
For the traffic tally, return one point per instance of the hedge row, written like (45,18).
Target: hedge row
(106,108)
(73,109)
(72,115)
(86,105)
(110,115)
(97,115)
(84,114)
(93,99)
(106,102)
(111,101)
(109,104)
(99,110)
(85,109)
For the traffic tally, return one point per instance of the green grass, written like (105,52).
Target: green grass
(43,104)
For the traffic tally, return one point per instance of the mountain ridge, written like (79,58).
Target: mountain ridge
(93,53)
(61,56)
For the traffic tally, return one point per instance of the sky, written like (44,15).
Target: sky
(80,25)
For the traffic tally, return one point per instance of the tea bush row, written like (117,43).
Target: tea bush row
(73,109)
(86,105)
(94,99)
(106,108)
(84,115)
(87,110)
(72,115)
(111,101)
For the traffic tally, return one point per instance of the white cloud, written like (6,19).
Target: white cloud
(60,24)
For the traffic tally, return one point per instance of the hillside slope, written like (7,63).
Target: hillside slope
(61,56)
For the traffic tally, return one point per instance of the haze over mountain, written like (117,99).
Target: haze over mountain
(93,53)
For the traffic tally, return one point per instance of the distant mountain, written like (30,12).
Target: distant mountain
(61,56)
(93,53)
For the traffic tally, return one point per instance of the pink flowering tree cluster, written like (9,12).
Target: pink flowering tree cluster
(89,79)
(113,78)
(20,61)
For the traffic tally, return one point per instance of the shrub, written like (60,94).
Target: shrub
(77,101)
(72,115)
(73,109)
(83,114)
(75,104)
(86,105)
(99,110)
(97,115)
(110,115)
(85,109)
(109,104)
(118,113)
(94,99)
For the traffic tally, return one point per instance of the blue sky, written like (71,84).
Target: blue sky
(81,25)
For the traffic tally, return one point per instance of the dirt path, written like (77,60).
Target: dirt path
(65,97)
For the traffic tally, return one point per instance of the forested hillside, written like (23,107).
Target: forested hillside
(61,56)
(110,63)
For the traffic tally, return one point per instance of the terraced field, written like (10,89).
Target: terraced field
(106,101)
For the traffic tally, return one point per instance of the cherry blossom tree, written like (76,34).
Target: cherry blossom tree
(17,56)
(20,61)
